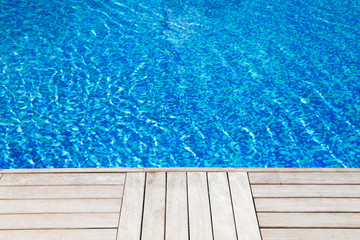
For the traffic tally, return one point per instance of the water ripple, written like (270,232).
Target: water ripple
(208,83)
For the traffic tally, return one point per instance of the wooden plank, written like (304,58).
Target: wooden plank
(304,178)
(199,209)
(62,179)
(307,204)
(221,207)
(309,220)
(71,170)
(78,234)
(244,211)
(288,170)
(176,207)
(60,206)
(194,169)
(55,192)
(310,234)
(52,221)
(343,191)
(132,207)
(154,207)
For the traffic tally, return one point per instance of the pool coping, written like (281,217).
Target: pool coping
(194,169)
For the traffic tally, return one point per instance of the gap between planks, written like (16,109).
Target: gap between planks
(201,206)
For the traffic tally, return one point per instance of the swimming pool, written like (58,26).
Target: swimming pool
(170,83)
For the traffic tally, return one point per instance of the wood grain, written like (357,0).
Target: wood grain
(176,207)
(154,207)
(307,205)
(64,234)
(310,234)
(309,220)
(221,207)
(244,211)
(132,207)
(52,221)
(55,192)
(199,209)
(343,191)
(305,178)
(60,206)
(62,179)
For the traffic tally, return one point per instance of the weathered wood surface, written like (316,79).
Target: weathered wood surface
(132,207)
(305,178)
(199,207)
(308,205)
(62,179)
(310,234)
(193,205)
(154,207)
(192,169)
(176,207)
(60,206)
(221,207)
(64,234)
(308,191)
(309,220)
(62,220)
(58,192)
(244,211)
(183,204)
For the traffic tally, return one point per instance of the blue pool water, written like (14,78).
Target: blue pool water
(171,83)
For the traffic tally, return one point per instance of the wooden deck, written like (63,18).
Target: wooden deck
(180,204)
